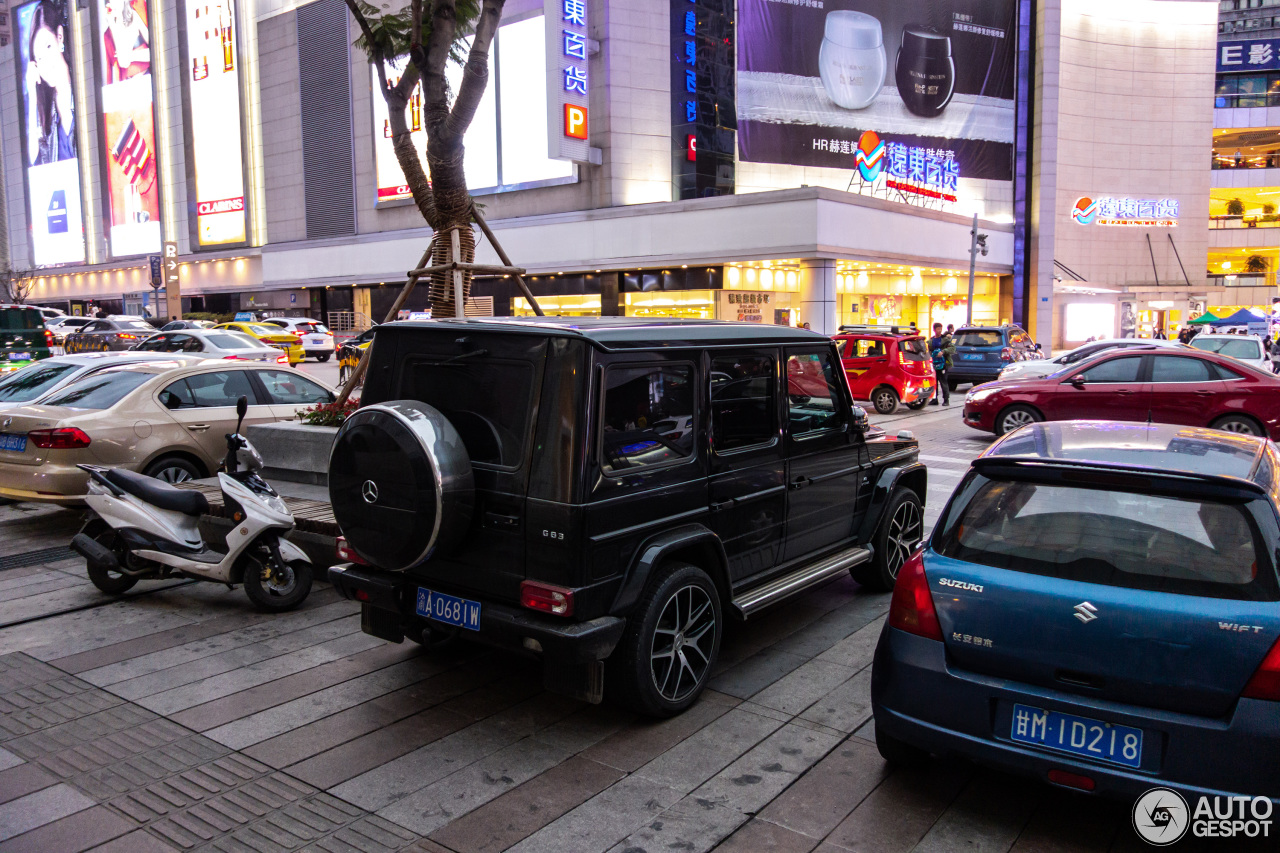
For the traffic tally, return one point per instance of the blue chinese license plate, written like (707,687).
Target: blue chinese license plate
(16,443)
(19,356)
(972,356)
(1077,735)
(449,609)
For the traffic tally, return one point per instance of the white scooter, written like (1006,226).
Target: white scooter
(140,528)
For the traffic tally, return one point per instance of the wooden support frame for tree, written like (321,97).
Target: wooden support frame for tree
(425,268)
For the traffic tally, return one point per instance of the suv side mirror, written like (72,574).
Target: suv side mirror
(1077,381)
(860,422)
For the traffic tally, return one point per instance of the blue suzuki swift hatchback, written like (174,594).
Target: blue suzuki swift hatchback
(1097,607)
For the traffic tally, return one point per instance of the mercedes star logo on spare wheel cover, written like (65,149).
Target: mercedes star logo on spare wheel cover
(369,491)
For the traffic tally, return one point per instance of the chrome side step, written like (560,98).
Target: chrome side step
(799,580)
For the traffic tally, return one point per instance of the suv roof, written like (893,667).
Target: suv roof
(621,333)
(1149,448)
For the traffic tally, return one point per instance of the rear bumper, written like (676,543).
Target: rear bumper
(393,597)
(47,483)
(977,375)
(917,698)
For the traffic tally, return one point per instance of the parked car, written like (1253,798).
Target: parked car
(214,343)
(1045,366)
(49,314)
(164,418)
(1246,348)
(1173,386)
(887,365)
(274,336)
(60,327)
(45,377)
(983,351)
(23,337)
(178,325)
(109,334)
(609,491)
(317,340)
(1098,607)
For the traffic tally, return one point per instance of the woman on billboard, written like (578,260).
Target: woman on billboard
(126,44)
(52,121)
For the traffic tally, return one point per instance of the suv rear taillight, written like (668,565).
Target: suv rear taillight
(346,552)
(911,608)
(1265,683)
(48,338)
(64,438)
(1006,354)
(555,600)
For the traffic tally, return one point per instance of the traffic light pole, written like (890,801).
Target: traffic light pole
(973,257)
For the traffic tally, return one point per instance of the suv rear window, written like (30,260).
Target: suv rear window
(979,339)
(913,349)
(487,400)
(1111,537)
(20,319)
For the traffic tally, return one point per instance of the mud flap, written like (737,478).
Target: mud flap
(582,681)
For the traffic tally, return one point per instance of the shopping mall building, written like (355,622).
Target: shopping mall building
(791,161)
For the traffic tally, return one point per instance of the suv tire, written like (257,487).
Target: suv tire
(680,610)
(901,531)
(952,385)
(899,752)
(885,400)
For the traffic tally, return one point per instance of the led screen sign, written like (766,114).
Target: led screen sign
(126,97)
(1133,212)
(702,98)
(568,85)
(926,74)
(52,163)
(211,68)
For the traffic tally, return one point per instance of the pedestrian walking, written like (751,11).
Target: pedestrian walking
(1275,355)
(941,348)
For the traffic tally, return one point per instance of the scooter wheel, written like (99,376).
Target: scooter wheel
(110,581)
(281,590)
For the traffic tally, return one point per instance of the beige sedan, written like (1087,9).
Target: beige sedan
(166,419)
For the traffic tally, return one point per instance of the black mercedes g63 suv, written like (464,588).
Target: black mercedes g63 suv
(606,493)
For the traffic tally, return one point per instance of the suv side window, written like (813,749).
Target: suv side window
(813,394)
(743,413)
(648,416)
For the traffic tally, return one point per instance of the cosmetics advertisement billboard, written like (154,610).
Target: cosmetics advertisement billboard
(211,67)
(391,183)
(43,43)
(920,91)
(126,95)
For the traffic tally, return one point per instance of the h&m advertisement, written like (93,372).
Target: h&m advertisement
(919,90)
(213,88)
(128,124)
(43,42)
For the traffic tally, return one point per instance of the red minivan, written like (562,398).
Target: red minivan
(887,365)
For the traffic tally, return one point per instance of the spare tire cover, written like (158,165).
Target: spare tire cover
(400,483)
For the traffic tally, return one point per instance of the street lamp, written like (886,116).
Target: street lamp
(977,243)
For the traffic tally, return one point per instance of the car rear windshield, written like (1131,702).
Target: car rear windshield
(913,349)
(135,326)
(20,319)
(99,391)
(31,383)
(310,328)
(1105,536)
(487,400)
(1236,347)
(234,341)
(978,339)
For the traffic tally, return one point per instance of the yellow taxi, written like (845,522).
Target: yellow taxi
(290,343)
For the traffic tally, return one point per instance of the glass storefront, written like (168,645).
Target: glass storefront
(572,305)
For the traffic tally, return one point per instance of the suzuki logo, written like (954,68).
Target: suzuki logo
(369,491)
(1086,612)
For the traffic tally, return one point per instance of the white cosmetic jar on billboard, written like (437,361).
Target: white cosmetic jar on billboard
(852,61)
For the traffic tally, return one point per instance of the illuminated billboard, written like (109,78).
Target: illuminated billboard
(126,95)
(43,44)
(211,67)
(494,160)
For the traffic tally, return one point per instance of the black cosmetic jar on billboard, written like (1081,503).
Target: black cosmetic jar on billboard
(925,73)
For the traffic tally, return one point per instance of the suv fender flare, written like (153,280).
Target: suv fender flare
(684,540)
(913,476)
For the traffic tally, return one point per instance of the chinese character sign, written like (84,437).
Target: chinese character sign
(1250,55)
(1141,212)
(568,80)
(931,172)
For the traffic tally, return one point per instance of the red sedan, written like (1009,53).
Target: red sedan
(1183,386)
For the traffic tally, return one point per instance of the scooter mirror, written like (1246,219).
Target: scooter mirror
(242,406)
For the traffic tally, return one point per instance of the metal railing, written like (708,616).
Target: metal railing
(348,321)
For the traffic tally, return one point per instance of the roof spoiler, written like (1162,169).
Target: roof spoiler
(983,462)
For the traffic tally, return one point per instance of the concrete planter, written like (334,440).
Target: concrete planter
(294,451)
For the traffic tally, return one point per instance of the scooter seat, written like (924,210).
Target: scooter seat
(158,493)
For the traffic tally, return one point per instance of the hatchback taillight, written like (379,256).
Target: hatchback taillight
(555,600)
(63,438)
(1265,683)
(911,608)
(1006,354)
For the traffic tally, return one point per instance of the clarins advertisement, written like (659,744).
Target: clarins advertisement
(43,42)
(128,125)
(213,87)
(391,183)
(921,91)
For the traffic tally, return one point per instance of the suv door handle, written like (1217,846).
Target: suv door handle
(197,427)
(800,482)
(716,506)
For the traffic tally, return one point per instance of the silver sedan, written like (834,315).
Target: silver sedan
(214,343)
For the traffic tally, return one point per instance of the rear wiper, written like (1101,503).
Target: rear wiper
(461,356)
